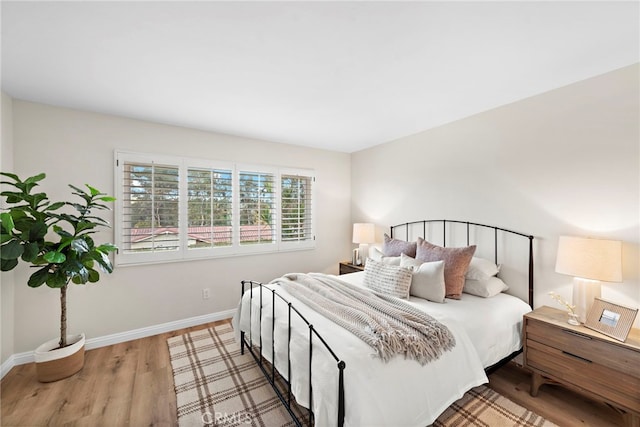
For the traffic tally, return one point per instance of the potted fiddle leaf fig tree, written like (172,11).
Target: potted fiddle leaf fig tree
(59,246)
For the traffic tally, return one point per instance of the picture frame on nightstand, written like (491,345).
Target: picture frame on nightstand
(611,319)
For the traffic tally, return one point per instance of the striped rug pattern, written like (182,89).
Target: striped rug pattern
(217,386)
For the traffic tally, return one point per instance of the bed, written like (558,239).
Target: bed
(333,374)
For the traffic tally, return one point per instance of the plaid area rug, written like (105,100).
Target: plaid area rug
(217,386)
(482,406)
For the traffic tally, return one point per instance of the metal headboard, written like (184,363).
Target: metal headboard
(396,229)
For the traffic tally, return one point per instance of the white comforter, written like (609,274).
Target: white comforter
(397,393)
(494,324)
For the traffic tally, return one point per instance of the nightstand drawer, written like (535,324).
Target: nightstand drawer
(590,348)
(584,373)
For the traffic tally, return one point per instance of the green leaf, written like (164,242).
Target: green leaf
(79,273)
(79,191)
(11,199)
(57,279)
(30,253)
(82,274)
(39,261)
(11,250)
(8,264)
(79,245)
(94,192)
(37,231)
(94,276)
(34,179)
(39,277)
(61,232)
(55,206)
(80,208)
(4,238)
(10,175)
(84,225)
(37,199)
(7,221)
(107,247)
(103,260)
(107,199)
(55,257)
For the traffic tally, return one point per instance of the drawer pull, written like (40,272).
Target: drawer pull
(576,334)
(577,357)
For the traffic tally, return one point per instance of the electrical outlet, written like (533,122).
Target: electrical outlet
(205,293)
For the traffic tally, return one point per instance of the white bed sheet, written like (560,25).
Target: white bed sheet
(397,393)
(494,325)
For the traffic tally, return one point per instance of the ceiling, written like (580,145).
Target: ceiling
(336,75)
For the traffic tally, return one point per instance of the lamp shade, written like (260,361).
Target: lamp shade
(364,233)
(595,259)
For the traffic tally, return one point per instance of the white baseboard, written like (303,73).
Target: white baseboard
(91,343)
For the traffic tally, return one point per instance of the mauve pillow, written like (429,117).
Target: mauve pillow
(396,247)
(456,263)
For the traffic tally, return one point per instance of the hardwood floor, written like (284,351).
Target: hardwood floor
(557,404)
(131,384)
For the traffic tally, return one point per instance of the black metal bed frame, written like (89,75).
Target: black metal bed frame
(286,396)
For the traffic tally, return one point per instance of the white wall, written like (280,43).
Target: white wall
(6,279)
(565,162)
(75,147)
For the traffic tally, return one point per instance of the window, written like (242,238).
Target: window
(257,208)
(295,208)
(174,208)
(210,207)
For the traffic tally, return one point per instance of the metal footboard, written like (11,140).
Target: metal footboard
(272,374)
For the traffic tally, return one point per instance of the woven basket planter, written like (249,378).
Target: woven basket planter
(54,365)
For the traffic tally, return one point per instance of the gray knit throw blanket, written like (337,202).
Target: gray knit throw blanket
(389,325)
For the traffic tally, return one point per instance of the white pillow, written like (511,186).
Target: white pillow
(427,280)
(409,262)
(485,288)
(391,260)
(387,279)
(377,255)
(481,269)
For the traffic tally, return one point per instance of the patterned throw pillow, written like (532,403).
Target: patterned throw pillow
(387,279)
(396,247)
(456,263)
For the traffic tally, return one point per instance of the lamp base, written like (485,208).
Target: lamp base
(584,292)
(363,251)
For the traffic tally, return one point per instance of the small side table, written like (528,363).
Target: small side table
(584,360)
(346,267)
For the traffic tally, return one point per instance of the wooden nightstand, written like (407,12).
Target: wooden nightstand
(346,267)
(583,360)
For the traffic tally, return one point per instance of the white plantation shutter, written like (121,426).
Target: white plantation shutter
(172,208)
(150,208)
(210,207)
(257,207)
(296,208)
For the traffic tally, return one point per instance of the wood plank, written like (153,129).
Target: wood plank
(562,406)
(134,386)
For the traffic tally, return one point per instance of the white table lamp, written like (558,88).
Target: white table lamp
(363,234)
(589,261)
